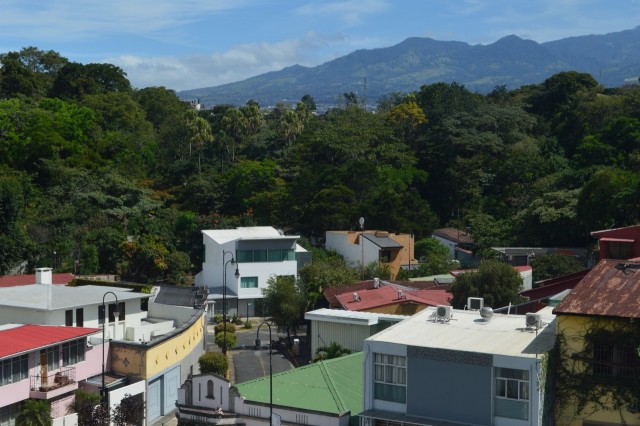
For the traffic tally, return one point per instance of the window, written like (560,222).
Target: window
(14,369)
(512,393)
(80,317)
(272,255)
(611,359)
(210,389)
(8,414)
(385,256)
(101,314)
(73,352)
(121,312)
(68,318)
(249,282)
(52,356)
(390,378)
(244,256)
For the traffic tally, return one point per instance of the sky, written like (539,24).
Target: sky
(188,44)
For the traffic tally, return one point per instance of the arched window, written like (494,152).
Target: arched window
(210,389)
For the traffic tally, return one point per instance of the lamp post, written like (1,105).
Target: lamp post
(361,221)
(105,320)
(224,293)
(258,347)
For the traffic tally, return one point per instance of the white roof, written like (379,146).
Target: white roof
(36,296)
(222,236)
(467,331)
(351,317)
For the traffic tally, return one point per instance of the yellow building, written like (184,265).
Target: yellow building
(166,360)
(597,370)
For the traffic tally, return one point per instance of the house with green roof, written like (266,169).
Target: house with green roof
(327,393)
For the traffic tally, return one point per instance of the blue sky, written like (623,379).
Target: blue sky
(186,44)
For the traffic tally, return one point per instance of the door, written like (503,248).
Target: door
(154,398)
(171,385)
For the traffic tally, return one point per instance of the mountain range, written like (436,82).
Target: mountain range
(511,61)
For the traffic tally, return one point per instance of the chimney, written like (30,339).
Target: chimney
(44,276)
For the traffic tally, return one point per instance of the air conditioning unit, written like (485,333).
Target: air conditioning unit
(444,312)
(534,320)
(475,303)
(400,294)
(356,298)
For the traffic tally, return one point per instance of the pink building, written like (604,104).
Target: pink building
(44,362)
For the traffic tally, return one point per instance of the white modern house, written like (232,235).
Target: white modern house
(46,304)
(446,366)
(240,261)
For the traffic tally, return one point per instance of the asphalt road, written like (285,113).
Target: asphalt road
(249,364)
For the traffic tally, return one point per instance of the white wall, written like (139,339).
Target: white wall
(352,253)
(258,414)
(448,244)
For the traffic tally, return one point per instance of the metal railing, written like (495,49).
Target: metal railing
(54,380)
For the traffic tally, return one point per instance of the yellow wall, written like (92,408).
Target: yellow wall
(146,361)
(573,329)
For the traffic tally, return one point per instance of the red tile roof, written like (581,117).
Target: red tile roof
(24,338)
(28,279)
(388,295)
(610,289)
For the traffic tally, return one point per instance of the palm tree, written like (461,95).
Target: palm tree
(34,412)
(334,350)
(200,135)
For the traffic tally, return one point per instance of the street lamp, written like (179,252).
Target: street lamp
(224,293)
(361,221)
(258,347)
(105,319)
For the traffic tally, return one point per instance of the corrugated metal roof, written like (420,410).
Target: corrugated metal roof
(382,242)
(26,338)
(389,295)
(331,386)
(611,289)
(181,296)
(454,234)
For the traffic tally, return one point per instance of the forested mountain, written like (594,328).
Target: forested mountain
(96,177)
(510,61)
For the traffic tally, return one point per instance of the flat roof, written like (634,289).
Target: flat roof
(467,331)
(36,296)
(351,317)
(222,236)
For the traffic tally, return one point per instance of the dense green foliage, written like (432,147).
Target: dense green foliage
(99,177)
(496,282)
(214,363)
(331,351)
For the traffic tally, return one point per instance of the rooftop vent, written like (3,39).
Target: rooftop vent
(356,298)
(486,313)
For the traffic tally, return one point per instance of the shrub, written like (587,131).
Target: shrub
(248,324)
(215,363)
(232,340)
(236,320)
(217,318)
(230,328)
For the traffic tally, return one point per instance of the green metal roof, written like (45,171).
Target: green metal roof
(332,386)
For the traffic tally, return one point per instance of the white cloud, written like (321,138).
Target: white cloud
(239,63)
(350,12)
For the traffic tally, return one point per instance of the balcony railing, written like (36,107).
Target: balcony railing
(64,377)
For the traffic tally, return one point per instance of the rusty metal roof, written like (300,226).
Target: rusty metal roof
(610,289)
(453,234)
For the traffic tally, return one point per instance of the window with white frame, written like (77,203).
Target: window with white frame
(249,282)
(512,393)
(73,352)
(390,378)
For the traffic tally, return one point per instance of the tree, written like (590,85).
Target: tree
(309,102)
(215,363)
(554,265)
(496,282)
(130,411)
(34,412)
(284,303)
(230,341)
(333,350)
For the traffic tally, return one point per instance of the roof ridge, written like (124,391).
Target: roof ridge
(332,387)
